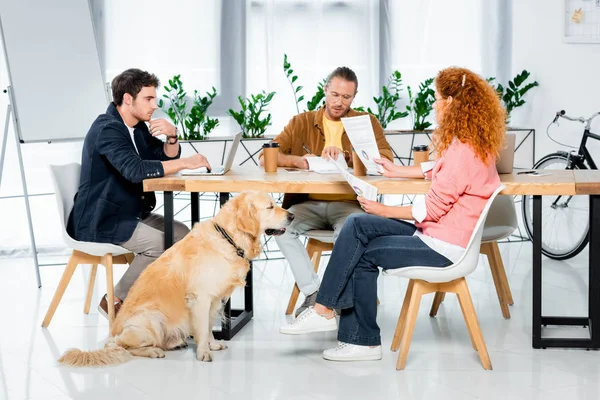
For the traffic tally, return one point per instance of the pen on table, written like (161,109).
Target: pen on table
(306,149)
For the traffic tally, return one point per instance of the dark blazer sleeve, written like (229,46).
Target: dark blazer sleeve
(157,148)
(117,148)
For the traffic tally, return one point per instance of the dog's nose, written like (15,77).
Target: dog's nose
(290,217)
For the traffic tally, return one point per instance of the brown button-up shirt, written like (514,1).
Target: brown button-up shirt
(306,130)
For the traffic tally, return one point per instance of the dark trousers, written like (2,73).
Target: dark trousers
(350,281)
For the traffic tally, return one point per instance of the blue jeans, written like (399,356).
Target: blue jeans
(350,280)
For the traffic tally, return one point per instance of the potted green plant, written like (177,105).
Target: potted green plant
(250,118)
(512,94)
(316,101)
(419,108)
(194,122)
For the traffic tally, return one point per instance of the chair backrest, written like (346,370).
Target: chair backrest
(65,179)
(471,257)
(501,220)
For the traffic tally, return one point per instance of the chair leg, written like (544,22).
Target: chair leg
(129,257)
(90,291)
(437,300)
(110,289)
(402,318)
(293,299)
(499,265)
(60,290)
(411,318)
(464,297)
(487,249)
(462,309)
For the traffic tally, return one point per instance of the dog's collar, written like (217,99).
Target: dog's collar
(226,236)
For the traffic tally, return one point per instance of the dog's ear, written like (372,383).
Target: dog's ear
(247,217)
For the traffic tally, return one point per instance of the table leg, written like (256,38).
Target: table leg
(195,207)
(169,215)
(537,272)
(593,318)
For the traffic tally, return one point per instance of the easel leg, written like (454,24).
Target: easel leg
(9,112)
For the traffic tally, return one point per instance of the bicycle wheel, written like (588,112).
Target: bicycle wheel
(565,219)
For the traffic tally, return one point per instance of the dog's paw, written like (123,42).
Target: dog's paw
(155,352)
(204,355)
(216,346)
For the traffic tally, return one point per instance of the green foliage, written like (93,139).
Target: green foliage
(195,124)
(512,95)
(249,118)
(388,101)
(287,68)
(421,104)
(318,99)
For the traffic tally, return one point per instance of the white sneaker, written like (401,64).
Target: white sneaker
(309,321)
(352,352)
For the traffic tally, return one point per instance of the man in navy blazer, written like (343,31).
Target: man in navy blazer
(119,152)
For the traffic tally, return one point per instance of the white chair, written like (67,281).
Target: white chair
(501,222)
(318,242)
(66,182)
(451,279)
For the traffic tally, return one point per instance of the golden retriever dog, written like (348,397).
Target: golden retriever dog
(180,292)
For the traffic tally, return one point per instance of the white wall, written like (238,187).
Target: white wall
(567,74)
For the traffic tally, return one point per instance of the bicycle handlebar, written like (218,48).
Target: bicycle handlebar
(587,121)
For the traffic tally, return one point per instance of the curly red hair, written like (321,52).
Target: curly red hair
(474,116)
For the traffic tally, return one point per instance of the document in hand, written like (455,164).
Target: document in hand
(323,166)
(361,135)
(360,187)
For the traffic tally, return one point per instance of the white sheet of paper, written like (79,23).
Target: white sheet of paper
(361,188)
(323,166)
(361,135)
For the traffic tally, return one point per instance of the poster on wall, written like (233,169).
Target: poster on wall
(581,21)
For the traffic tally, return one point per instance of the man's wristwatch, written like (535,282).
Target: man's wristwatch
(174,139)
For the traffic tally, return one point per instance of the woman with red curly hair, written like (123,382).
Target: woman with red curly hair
(470,132)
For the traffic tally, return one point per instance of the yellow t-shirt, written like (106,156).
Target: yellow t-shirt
(333,131)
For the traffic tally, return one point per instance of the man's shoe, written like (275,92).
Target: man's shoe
(103,307)
(352,352)
(309,301)
(308,322)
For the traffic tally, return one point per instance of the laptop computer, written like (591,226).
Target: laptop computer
(507,155)
(218,169)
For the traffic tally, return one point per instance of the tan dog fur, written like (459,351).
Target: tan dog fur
(180,293)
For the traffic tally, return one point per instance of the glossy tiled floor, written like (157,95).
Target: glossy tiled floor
(262,364)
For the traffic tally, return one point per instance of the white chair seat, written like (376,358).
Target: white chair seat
(325,236)
(99,249)
(497,232)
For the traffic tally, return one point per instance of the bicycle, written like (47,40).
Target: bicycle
(565,226)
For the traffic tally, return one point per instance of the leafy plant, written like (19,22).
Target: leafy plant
(512,95)
(177,102)
(249,118)
(287,68)
(421,105)
(387,102)
(198,123)
(195,124)
(318,99)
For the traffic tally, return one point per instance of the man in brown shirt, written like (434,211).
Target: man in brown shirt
(320,133)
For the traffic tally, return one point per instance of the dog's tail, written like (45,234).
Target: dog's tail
(112,354)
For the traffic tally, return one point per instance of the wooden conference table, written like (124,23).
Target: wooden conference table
(561,183)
